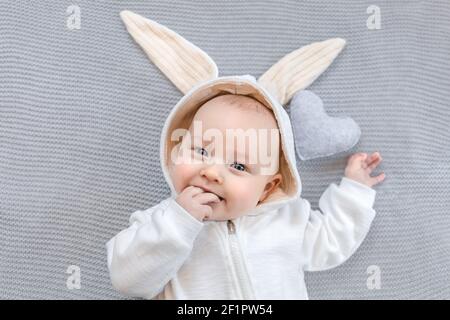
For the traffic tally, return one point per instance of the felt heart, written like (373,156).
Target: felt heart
(316,134)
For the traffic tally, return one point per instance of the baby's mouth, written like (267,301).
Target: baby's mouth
(221,201)
(220,198)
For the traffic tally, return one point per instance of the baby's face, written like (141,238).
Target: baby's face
(221,153)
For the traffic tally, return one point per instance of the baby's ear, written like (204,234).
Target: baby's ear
(182,62)
(271,186)
(298,69)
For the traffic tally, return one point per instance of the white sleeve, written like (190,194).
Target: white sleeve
(333,233)
(143,258)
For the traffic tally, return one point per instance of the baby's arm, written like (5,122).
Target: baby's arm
(334,233)
(143,258)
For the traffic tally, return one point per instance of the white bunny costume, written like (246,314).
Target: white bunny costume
(166,253)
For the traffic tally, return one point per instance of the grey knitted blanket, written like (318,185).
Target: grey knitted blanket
(81,111)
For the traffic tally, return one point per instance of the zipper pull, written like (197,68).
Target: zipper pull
(231,227)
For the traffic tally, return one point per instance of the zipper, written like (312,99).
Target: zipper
(238,262)
(231,227)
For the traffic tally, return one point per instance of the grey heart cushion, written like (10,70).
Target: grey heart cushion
(317,134)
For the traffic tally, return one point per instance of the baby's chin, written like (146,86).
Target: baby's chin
(219,212)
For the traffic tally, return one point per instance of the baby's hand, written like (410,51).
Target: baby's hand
(195,201)
(359,167)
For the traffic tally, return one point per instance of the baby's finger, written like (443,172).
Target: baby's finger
(357,162)
(193,190)
(208,212)
(359,156)
(377,179)
(374,164)
(374,161)
(206,197)
(372,157)
(356,158)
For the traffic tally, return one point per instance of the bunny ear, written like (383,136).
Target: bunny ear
(183,63)
(298,69)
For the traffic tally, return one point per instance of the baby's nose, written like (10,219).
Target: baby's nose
(212,173)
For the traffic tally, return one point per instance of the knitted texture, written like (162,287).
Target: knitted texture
(81,113)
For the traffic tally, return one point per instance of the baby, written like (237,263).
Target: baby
(235,225)
(232,228)
(218,192)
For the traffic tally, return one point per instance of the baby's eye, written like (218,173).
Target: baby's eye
(201,151)
(238,166)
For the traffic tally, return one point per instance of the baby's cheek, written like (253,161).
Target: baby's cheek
(245,194)
(180,174)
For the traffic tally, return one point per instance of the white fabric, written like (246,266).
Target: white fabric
(168,254)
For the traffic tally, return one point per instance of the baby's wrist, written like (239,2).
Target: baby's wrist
(356,182)
(357,179)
